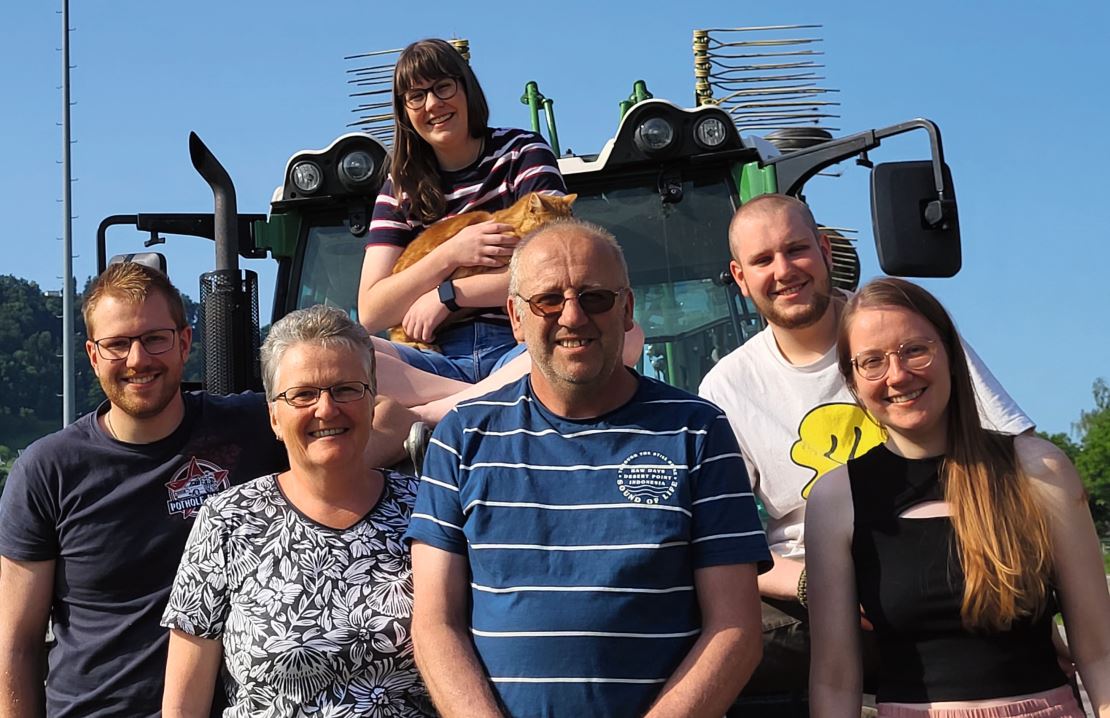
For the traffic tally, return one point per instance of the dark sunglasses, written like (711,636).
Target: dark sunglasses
(592,301)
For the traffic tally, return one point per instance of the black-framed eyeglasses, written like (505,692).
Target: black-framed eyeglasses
(914,354)
(155,342)
(444,88)
(592,301)
(341,393)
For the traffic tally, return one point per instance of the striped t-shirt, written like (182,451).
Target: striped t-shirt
(513,163)
(583,537)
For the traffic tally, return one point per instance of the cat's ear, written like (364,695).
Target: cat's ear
(568,199)
(535,201)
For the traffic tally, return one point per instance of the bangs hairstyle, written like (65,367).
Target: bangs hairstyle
(132,283)
(415,170)
(1001,532)
(318,325)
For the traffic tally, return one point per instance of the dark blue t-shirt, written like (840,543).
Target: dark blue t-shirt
(115,517)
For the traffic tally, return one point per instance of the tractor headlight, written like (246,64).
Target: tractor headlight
(654,135)
(307,176)
(356,168)
(710,132)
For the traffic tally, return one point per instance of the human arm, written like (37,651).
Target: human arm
(191,669)
(1077,559)
(195,650)
(26,588)
(835,673)
(441,635)
(384,298)
(781,581)
(488,289)
(727,651)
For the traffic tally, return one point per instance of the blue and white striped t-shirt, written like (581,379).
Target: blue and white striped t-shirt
(583,537)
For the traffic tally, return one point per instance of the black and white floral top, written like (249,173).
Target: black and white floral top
(314,620)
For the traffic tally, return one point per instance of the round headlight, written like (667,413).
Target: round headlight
(654,135)
(307,177)
(356,167)
(710,132)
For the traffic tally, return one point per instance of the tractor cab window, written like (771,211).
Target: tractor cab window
(330,267)
(675,238)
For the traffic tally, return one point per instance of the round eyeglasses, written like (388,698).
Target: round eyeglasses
(913,355)
(155,342)
(444,89)
(305,396)
(592,301)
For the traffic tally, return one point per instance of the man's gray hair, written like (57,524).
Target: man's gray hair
(568,225)
(319,325)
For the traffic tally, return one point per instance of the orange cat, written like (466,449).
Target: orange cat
(527,213)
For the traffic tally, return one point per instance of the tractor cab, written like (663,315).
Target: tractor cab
(666,185)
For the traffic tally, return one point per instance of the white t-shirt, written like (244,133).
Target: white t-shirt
(795,423)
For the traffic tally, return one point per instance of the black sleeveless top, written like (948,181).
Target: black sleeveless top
(910,585)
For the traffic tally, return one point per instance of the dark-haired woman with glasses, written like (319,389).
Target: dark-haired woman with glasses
(958,543)
(298,583)
(447,161)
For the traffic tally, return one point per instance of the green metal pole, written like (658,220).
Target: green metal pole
(552,133)
(532,97)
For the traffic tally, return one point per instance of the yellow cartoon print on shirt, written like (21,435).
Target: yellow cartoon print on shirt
(830,435)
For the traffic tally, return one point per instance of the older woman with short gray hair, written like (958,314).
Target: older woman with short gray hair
(299,582)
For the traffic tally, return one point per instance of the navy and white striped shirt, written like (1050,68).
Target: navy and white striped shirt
(513,163)
(583,537)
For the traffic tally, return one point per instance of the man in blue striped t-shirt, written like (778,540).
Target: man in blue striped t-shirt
(585,540)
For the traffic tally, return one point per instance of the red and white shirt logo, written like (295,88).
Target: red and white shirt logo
(191,486)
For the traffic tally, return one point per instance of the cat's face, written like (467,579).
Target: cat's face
(543,208)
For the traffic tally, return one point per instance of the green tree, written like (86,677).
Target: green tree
(1093,461)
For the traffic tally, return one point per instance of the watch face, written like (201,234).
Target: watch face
(447,295)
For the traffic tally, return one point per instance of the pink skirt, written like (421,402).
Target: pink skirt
(1057,703)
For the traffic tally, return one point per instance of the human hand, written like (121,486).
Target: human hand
(424,317)
(486,244)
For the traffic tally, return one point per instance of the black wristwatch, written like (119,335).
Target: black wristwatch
(447,295)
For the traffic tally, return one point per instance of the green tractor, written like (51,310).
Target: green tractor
(666,184)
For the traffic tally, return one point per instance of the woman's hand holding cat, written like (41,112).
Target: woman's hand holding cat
(424,317)
(486,244)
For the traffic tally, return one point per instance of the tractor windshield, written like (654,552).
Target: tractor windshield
(677,253)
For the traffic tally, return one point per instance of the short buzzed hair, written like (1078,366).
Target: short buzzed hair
(132,282)
(767,204)
(567,225)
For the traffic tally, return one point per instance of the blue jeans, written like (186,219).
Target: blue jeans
(469,351)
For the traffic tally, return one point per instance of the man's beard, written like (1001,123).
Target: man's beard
(116,391)
(801,317)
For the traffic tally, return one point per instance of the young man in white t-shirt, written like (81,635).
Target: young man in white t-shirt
(792,413)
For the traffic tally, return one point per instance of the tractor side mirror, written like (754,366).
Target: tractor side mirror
(154,260)
(917,233)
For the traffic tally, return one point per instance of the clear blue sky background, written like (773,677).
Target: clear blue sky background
(1019,91)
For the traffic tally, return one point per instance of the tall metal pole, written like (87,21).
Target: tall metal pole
(68,403)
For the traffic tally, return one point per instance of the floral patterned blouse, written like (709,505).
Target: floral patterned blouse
(314,620)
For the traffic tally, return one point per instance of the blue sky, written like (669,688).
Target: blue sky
(1018,89)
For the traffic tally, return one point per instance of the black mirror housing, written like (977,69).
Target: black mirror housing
(154,260)
(917,232)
